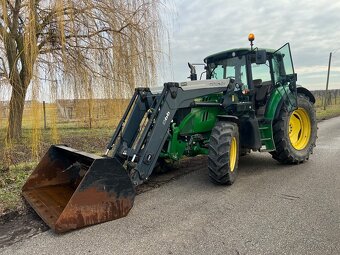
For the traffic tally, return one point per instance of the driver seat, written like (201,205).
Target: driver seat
(261,91)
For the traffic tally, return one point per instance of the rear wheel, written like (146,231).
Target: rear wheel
(223,153)
(295,133)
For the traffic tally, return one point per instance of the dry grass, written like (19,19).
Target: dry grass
(330,112)
(11,182)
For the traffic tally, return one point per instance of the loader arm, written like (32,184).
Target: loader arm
(70,189)
(140,145)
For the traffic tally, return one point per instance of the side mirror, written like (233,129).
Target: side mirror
(261,57)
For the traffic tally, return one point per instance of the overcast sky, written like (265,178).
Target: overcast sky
(199,28)
(312,27)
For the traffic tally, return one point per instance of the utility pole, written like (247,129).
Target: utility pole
(326,92)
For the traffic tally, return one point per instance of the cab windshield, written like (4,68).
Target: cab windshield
(234,68)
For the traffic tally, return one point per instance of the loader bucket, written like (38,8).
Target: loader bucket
(70,189)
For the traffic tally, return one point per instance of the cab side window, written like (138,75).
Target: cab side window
(218,73)
(261,72)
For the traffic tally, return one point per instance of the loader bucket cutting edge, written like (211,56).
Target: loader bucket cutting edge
(70,189)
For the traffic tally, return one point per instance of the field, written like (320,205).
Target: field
(81,128)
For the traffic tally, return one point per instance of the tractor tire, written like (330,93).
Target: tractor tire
(295,133)
(223,153)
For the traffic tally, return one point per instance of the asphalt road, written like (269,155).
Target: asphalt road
(271,209)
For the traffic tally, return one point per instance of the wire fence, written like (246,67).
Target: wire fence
(96,113)
(81,113)
(333,97)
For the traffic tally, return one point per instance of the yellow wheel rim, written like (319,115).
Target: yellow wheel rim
(233,154)
(300,129)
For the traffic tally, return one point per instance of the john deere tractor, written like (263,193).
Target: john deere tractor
(249,101)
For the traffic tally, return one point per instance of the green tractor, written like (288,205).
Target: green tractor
(249,101)
(265,111)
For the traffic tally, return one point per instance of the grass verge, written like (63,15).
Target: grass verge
(11,182)
(330,112)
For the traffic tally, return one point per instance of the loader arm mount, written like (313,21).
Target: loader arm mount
(145,126)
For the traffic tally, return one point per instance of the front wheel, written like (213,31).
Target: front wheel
(295,133)
(223,153)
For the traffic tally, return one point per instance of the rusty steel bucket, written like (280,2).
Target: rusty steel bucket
(70,189)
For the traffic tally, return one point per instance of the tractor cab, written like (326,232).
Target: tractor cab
(255,73)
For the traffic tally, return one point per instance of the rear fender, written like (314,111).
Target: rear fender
(307,93)
(276,101)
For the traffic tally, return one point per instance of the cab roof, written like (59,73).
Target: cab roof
(228,54)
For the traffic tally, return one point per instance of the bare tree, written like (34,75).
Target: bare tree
(117,40)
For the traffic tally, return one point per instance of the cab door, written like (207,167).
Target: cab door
(283,68)
(284,75)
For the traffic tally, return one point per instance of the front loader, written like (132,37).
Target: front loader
(249,101)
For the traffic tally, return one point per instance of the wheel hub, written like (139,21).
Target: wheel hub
(299,129)
(233,154)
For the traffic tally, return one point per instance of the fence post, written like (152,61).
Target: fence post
(44,108)
(329,67)
(335,96)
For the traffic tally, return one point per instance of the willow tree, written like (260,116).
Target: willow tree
(116,40)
